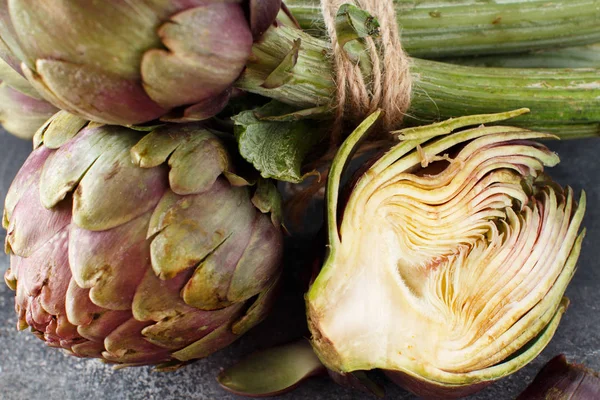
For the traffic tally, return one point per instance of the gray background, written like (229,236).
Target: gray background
(30,370)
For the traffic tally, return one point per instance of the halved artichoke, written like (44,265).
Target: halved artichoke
(447,265)
(139,247)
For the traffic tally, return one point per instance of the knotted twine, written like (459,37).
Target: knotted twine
(390,85)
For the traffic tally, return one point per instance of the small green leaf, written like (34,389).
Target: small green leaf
(272,371)
(59,129)
(268,200)
(276,148)
(352,25)
(282,74)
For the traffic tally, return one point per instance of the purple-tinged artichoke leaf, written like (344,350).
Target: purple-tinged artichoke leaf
(66,167)
(559,379)
(260,261)
(216,215)
(93,322)
(60,128)
(109,265)
(10,76)
(184,329)
(126,344)
(80,309)
(43,32)
(196,156)
(66,331)
(259,310)
(38,137)
(27,176)
(10,49)
(111,179)
(40,293)
(262,15)
(208,288)
(52,293)
(10,277)
(103,324)
(273,371)
(359,381)
(157,299)
(40,87)
(155,148)
(200,111)
(204,347)
(88,349)
(197,163)
(207,49)
(37,318)
(25,235)
(34,273)
(268,200)
(160,216)
(106,98)
(20,114)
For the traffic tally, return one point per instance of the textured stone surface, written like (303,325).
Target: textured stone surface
(30,370)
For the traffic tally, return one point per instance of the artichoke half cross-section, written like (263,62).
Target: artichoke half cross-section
(447,265)
(139,247)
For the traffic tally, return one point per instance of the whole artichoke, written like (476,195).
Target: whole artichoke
(139,248)
(124,62)
(449,261)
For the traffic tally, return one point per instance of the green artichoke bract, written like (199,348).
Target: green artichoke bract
(449,261)
(139,248)
(131,62)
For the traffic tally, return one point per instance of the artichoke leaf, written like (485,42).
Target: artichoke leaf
(272,371)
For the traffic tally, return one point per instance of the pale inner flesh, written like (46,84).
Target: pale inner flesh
(446,272)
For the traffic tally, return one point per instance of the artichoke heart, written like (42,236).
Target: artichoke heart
(448,263)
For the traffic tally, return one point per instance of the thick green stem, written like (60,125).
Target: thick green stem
(569,57)
(440,28)
(562,101)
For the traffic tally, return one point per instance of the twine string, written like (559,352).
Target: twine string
(390,85)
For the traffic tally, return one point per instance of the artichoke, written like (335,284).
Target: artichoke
(449,261)
(131,62)
(139,248)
